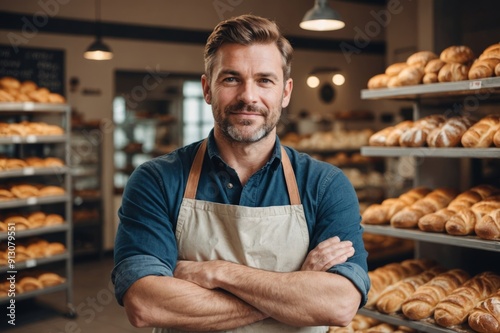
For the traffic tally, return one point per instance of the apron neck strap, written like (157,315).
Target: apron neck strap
(195,172)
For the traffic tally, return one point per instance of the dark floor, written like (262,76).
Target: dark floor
(96,307)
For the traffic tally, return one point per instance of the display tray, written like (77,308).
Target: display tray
(440,238)
(481,87)
(33,139)
(426,325)
(31,171)
(34,201)
(423,152)
(31,106)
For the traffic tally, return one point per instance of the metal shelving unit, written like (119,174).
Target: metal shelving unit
(18,147)
(440,245)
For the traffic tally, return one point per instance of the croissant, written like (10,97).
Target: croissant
(488,227)
(454,308)
(485,317)
(421,303)
(392,298)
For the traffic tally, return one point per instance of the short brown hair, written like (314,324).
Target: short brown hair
(246,30)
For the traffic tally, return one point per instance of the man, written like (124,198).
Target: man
(237,233)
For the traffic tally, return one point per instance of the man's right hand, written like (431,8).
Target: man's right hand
(328,253)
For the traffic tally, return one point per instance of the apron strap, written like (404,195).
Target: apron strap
(195,172)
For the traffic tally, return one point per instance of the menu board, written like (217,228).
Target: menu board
(43,66)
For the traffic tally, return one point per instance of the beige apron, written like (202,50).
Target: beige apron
(271,238)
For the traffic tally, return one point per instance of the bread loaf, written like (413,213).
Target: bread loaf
(450,133)
(392,298)
(491,48)
(485,190)
(452,72)
(464,200)
(396,68)
(433,66)
(379,138)
(497,70)
(435,222)
(483,68)
(485,316)
(421,303)
(416,136)
(454,308)
(430,78)
(411,75)
(432,202)
(495,54)
(378,81)
(496,138)
(394,135)
(488,227)
(480,135)
(457,54)
(464,222)
(421,58)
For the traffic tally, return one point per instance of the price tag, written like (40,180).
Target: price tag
(31,138)
(29,171)
(29,106)
(30,263)
(32,201)
(475,85)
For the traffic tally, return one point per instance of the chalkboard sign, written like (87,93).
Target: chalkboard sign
(45,67)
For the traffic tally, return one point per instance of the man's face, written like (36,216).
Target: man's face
(247,91)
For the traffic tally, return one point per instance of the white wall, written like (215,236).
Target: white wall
(362,27)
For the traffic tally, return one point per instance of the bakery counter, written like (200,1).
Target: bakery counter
(422,152)
(439,238)
(420,326)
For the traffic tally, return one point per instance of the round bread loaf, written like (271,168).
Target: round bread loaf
(421,58)
(430,78)
(434,65)
(411,75)
(8,82)
(395,68)
(452,72)
(457,54)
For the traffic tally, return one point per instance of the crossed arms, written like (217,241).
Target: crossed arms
(220,295)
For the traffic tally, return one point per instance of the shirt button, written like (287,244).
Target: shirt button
(230,185)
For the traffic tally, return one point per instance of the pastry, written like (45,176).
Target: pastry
(51,190)
(497,70)
(485,316)
(433,66)
(53,161)
(452,72)
(29,283)
(410,75)
(24,191)
(421,58)
(378,81)
(50,279)
(430,78)
(483,68)
(488,227)
(20,222)
(14,163)
(54,248)
(395,68)
(457,54)
(6,195)
(480,135)
(9,82)
(27,87)
(53,219)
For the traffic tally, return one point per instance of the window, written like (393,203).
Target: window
(196,113)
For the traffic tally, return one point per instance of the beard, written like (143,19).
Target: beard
(243,131)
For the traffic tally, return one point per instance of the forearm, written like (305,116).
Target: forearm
(304,298)
(159,301)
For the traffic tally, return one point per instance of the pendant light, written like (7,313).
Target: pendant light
(98,50)
(322,18)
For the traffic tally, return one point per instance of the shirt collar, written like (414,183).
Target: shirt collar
(214,155)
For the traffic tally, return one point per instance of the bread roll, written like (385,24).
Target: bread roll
(394,69)
(392,298)
(485,316)
(495,54)
(483,68)
(50,190)
(20,222)
(433,66)
(411,75)
(453,72)
(27,86)
(497,70)
(464,222)
(464,200)
(379,138)
(454,308)
(421,303)
(480,135)
(378,81)
(50,279)
(430,78)
(9,82)
(24,191)
(450,133)
(394,135)
(29,283)
(485,190)
(488,227)
(53,219)
(421,58)
(14,163)
(496,138)
(435,222)
(492,47)
(6,195)
(457,54)
(416,136)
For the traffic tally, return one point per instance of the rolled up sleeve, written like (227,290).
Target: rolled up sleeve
(357,276)
(131,269)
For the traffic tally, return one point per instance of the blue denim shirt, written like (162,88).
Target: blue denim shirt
(145,242)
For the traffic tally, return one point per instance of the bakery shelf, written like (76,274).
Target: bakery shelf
(30,294)
(421,152)
(35,262)
(440,238)
(34,201)
(30,171)
(435,90)
(32,107)
(37,231)
(420,326)
(15,139)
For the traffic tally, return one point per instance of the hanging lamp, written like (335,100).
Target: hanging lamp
(322,18)
(98,50)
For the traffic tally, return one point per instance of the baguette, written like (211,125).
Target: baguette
(488,227)
(421,303)
(454,308)
(392,298)
(485,316)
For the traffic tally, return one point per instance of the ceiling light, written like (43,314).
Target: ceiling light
(338,79)
(98,50)
(312,81)
(322,18)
